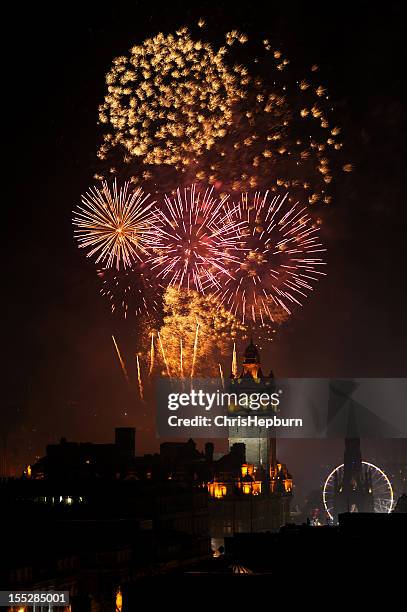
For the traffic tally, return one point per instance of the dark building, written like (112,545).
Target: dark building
(401,505)
(316,552)
(93,519)
(78,460)
(109,518)
(354,492)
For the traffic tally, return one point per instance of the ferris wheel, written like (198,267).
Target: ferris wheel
(383,496)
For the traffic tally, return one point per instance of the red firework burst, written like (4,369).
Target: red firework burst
(280,261)
(198,240)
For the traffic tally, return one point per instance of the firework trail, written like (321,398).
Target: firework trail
(152,355)
(234,361)
(195,350)
(163,354)
(222,378)
(198,238)
(140,383)
(121,361)
(181,358)
(114,225)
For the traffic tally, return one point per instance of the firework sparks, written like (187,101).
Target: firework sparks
(168,100)
(175,102)
(281,260)
(196,330)
(198,239)
(121,360)
(175,105)
(131,292)
(114,225)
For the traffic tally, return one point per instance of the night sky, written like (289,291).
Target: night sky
(61,377)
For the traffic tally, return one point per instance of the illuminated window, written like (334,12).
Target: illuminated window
(119,600)
(247,469)
(288,485)
(217,489)
(256,488)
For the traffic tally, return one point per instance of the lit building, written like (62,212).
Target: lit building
(251,490)
(260,444)
(251,380)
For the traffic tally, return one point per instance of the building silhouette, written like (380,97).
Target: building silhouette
(354,491)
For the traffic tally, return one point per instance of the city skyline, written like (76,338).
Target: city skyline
(61,368)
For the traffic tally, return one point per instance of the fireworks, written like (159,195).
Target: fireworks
(231,119)
(254,259)
(282,134)
(198,264)
(115,225)
(282,258)
(197,240)
(194,328)
(168,100)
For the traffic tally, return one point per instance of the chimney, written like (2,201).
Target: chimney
(125,441)
(209,448)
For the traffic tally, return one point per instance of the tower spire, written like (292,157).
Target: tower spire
(251,362)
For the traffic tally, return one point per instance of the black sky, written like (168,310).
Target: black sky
(59,368)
